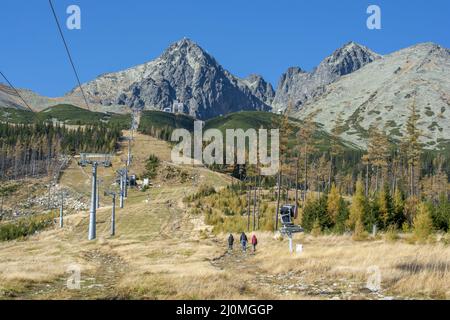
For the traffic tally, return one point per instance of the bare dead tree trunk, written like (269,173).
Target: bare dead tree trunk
(259,200)
(376,179)
(296,185)
(248,207)
(254,205)
(330,173)
(367,180)
(305,187)
(287,190)
(278,200)
(49,194)
(317,184)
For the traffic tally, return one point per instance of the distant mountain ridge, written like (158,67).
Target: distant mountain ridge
(380,93)
(10,99)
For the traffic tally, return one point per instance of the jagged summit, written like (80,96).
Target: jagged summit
(298,86)
(427,49)
(188,51)
(345,60)
(426,45)
(184,46)
(260,88)
(184,43)
(354,52)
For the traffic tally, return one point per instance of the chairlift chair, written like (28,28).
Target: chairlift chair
(287,215)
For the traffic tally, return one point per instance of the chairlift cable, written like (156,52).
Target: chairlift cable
(68,52)
(16,91)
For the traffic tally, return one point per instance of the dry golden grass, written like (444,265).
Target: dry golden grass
(407,270)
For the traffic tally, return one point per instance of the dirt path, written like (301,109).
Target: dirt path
(291,284)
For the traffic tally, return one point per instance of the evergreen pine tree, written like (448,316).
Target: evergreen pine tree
(358,207)
(399,205)
(333,203)
(441,213)
(316,210)
(342,217)
(386,207)
(414,148)
(422,224)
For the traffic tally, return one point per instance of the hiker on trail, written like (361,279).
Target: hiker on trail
(244,241)
(254,242)
(230,242)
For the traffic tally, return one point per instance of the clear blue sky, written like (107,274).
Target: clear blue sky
(245,36)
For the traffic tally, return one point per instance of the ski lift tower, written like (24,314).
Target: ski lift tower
(122,179)
(113,212)
(93,211)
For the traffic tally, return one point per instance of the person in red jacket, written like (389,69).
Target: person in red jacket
(254,242)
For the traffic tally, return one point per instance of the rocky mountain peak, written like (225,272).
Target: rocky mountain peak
(299,87)
(291,71)
(347,59)
(431,49)
(185,78)
(260,88)
(185,42)
(184,46)
(187,51)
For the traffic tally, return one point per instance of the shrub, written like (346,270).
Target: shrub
(359,232)
(151,167)
(391,233)
(25,227)
(316,229)
(422,224)
(203,191)
(446,238)
(406,227)
(410,209)
(228,212)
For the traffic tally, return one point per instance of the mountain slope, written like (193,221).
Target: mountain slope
(10,100)
(381,92)
(256,120)
(298,86)
(64,113)
(183,73)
